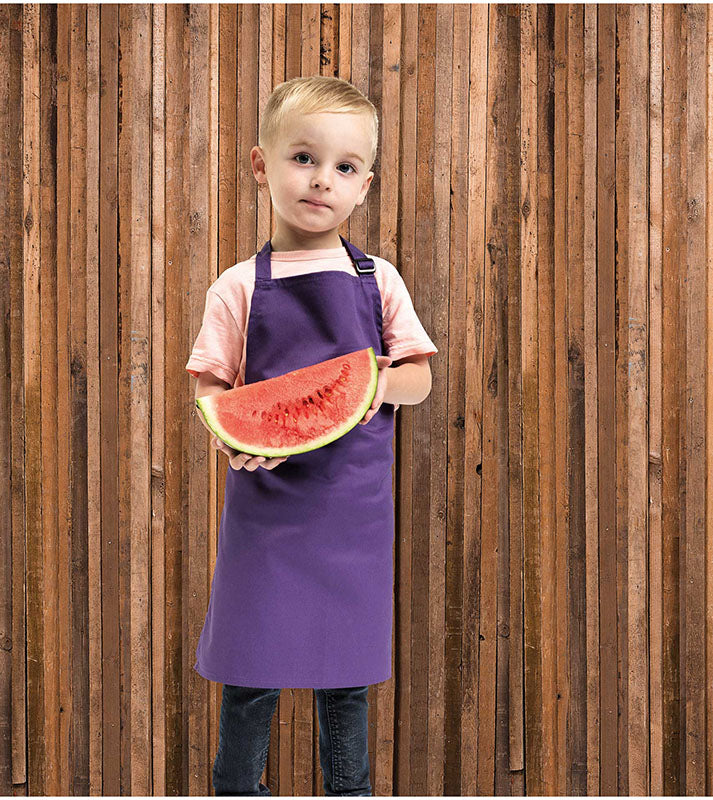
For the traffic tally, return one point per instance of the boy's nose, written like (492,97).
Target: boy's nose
(320,181)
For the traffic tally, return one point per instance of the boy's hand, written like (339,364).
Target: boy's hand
(238,460)
(382,362)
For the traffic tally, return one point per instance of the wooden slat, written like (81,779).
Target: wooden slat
(530,124)
(31,382)
(407,548)
(622,388)
(426,560)
(709,415)
(606,410)
(108,180)
(591,507)
(493,488)
(179,316)
(655,621)
(546,417)
(48,304)
(140,329)
(637,101)
(434,315)
(159,396)
(123,600)
(511,636)
(77,585)
(94,416)
(201,492)
(64,411)
(695,408)
(10,765)
(561,140)
(474,385)
(671,359)
(574,326)
(457,283)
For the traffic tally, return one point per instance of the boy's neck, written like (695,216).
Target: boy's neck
(327,240)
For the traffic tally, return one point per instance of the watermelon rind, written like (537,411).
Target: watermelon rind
(204,405)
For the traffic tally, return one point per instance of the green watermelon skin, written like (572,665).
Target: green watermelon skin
(302,410)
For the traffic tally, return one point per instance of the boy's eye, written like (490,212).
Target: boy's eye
(345,164)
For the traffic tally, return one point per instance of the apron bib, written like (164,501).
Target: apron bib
(301,595)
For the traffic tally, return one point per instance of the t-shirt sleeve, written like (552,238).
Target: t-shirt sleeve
(402,331)
(219,345)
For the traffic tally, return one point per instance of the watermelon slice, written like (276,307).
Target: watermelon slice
(295,412)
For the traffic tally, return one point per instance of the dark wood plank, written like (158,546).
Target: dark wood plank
(531,719)
(456,282)
(424,560)
(159,399)
(512,618)
(179,316)
(606,409)
(495,386)
(574,327)
(561,141)
(656,737)
(474,386)
(31,380)
(50,500)
(407,546)
(546,437)
(589,260)
(671,361)
(695,408)
(622,394)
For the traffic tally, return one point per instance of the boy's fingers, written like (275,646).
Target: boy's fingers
(271,463)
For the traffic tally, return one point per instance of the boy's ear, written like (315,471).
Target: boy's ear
(365,186)
(257,161)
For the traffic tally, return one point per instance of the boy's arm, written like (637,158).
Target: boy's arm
(206,384)
(409,381)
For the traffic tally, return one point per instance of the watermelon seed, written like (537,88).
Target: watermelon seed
(320,394)
(311,400)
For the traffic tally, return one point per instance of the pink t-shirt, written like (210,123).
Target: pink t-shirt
(220,345)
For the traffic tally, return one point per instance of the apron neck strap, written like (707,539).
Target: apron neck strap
(362,263)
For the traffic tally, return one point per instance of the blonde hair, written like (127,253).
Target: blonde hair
(310,95)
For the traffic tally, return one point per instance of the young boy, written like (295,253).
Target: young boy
(301,595)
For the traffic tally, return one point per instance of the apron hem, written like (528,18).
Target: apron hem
(253,684)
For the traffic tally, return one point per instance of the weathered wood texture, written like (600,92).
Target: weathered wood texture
(542,184)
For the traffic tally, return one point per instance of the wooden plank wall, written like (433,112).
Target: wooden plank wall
(543,185)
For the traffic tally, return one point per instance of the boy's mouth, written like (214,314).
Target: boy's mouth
(315,204)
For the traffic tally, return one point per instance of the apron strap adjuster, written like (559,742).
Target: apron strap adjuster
(363,264)
(368,265)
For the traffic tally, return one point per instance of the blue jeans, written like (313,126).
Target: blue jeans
(245,716)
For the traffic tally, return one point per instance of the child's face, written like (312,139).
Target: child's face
(320,157)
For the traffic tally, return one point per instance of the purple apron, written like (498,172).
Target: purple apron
(301,596)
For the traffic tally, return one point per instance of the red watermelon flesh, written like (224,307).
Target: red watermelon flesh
(295,412)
